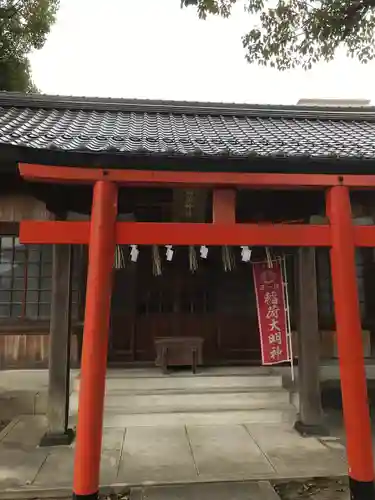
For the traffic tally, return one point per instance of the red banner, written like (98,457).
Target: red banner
(273,331)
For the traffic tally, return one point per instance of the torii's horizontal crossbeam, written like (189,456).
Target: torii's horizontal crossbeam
(79,175)
(150,233)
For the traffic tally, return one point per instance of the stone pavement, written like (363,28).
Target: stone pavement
(168,455)
(260,490)
(25,392)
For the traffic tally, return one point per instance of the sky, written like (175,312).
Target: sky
(151,49)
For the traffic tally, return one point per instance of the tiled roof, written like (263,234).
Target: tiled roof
(183,128)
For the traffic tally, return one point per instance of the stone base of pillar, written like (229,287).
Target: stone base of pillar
(306,430)
(57,439)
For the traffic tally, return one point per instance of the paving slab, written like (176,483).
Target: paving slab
(34,380)
(18,468)
(113,438)
(59,465)
(156,454)
(170,455)
(216,491)
(25,392)
(294,456)
(17,402)
(227,452)
(26,432)
(114,418)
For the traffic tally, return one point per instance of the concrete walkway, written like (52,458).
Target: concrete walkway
(168,455)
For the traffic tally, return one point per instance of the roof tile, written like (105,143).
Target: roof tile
(214,131)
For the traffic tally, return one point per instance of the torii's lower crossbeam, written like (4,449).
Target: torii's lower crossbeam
(159,233)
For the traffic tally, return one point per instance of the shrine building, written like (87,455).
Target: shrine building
(124,222)
(167,137)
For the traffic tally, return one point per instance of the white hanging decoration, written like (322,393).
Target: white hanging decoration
(134,252)
(169,252)
(156,261)
(193,262)
(269,258)
(245,253)
(203,252)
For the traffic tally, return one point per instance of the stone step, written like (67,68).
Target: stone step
(190,402)
(199,390)
(217,371)
(192,382)
(112,418)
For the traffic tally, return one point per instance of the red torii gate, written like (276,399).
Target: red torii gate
(102,234)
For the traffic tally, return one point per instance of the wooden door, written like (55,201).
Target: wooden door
(238,333)
(177,303)
(122,324)
(210,303)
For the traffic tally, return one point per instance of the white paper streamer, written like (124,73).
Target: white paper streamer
(169,252)
(203,252)
(134,252)
(245,254)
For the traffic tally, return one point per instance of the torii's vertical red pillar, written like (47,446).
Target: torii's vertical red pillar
(95,341)
(350,347)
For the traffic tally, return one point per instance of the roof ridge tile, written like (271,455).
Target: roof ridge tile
(152,106)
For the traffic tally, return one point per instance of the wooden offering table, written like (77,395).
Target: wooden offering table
(179,351)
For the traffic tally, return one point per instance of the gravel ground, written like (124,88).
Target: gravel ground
(315,489)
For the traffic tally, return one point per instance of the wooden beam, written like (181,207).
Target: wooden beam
(165,233)
(79,175)
(310,421)
(58,232)
(150,233)
(59,353)
(224,206)
(364,236)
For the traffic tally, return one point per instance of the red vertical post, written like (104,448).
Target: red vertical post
(95,341)
(350,346)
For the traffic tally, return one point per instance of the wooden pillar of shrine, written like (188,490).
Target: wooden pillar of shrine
(310,415)
(58,432)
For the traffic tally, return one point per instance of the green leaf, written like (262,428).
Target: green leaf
(290,33)
(24,26)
